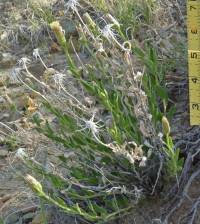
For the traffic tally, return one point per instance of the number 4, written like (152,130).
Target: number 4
(192,7)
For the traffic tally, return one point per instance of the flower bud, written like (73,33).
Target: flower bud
(34,184)
(55,26)
(57,29)
(112,20)
(88,20)
(165,126)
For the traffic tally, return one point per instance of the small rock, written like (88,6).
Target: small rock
(55,160)
(37,69)
(3,78)
(3,152)
(69,27)
(68,155)
(13,218)
(89,101)
(54,152)
(40,4)
(39,218)
(28,217)
(4,116)
(48,73)
(2,100)
(7,60)
(2,139)
(4,36)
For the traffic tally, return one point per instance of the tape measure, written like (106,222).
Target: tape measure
(193,30)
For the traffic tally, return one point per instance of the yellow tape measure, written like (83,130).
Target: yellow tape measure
(193,29)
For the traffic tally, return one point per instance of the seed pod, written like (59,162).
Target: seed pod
(165,126)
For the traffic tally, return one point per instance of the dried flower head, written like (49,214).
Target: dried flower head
(58,79)
(21,154)
(24,61)
(108,32)
(71,5)
(36,55)
(91,125)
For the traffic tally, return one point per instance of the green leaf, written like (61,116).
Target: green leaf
(112,204)
(106,160)
(88,86)
(100,210)
(60,201)
(56,181)
(122,202)
(171,112)
(78,173)
(93,180)
(36,119)
(161,92)
(176,154)
(171,144)
(91,207)
(180,164)
(139,52)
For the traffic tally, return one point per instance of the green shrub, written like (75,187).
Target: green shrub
(119,153)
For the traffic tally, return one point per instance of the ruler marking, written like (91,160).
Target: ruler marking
(193,30)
